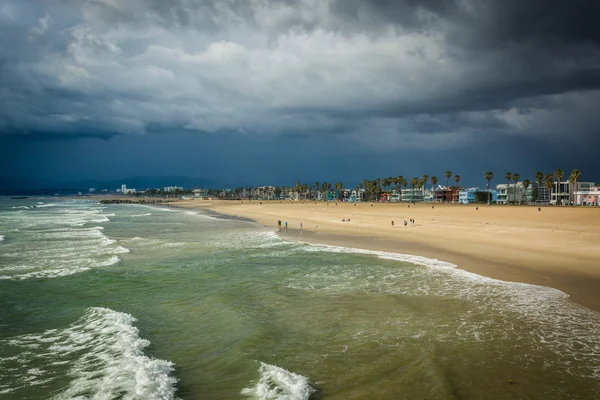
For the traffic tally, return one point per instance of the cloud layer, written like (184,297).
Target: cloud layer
(393,73)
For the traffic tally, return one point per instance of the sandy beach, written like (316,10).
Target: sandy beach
(557,247)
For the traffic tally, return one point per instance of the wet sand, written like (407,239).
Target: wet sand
(557,247)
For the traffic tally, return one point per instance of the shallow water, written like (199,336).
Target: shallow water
(135,302)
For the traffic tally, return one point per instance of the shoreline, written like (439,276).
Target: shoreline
(580,281)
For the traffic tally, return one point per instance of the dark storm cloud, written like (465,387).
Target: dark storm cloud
(404,73)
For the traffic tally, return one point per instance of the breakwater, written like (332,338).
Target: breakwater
(136,201)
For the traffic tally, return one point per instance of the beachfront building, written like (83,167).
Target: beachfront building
(357,195)
(476,195)
(429,196)
(447,194)
(543,195)
(564,191)
(412,195)
(199,193)
(264,192)
(589,197)
(514,193)
(170,189)
(561,192)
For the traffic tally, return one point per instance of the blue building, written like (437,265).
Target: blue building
(476,195)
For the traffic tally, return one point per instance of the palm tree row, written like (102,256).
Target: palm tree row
(542,180)
(374,188)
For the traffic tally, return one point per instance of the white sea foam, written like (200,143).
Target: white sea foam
(56,269)
(140,215)
(567,329)
(1,238)
(276,383)
(250,239)
(155,243)
(198,215)
(56,242)
(104,355)
(408,258)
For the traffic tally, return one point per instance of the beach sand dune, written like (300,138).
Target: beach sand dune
(557,246)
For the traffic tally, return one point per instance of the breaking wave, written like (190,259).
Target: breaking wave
(101,355)
(276,383)
(57,241)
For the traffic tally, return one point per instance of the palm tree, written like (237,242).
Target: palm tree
(317,189)
(456,179)
(420,186)
(526,184)
(516,177)
(539,178)
(403,182)
(413,183)
(508,177)
(424,178)
(575,175)
(434,181)
(365,185)
(559,174)
(548,183)
(448,175)
(386,183)
(488,177)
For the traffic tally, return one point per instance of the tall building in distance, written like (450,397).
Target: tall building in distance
(125,190)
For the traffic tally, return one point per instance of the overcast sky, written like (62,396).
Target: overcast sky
(271,92)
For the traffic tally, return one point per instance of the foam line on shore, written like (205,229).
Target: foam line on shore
(437,265)
(409,258)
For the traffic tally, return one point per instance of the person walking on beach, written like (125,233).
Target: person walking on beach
(285,225)
(279,224)
(301,231)
(392,224)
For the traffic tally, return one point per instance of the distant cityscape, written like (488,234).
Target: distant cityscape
(570,192)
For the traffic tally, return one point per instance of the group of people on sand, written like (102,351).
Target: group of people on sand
(279,225)
(346,220)
(412,222)
(285,226)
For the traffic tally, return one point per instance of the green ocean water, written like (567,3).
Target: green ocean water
(134,302)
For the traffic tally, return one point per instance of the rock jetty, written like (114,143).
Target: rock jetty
(135,201)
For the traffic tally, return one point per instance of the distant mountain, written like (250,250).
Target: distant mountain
(10,185)
(143,182)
